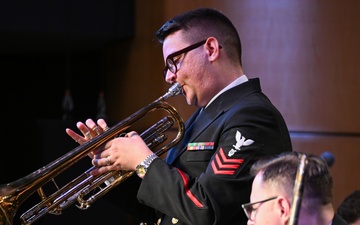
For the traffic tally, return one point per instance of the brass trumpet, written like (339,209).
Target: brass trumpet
(13,194)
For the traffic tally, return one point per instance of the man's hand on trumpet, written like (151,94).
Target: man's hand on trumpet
(121,153)
(88,130)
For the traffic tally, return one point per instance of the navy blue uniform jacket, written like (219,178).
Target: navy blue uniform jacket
(204,179)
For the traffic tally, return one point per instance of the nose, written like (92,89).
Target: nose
(170,77)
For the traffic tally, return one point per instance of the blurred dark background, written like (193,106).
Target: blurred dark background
(49,48)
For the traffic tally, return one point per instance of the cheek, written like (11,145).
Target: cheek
(266,217)
(264,220)
(194,67)
(194,75)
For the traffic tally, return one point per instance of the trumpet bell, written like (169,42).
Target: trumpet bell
(85,189)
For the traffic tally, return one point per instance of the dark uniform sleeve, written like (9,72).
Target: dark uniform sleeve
(211,178)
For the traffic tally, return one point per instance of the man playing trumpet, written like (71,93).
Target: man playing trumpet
(204,178)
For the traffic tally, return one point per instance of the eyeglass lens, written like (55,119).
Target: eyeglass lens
(170,63)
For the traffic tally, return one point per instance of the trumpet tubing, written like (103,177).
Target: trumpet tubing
(13,194)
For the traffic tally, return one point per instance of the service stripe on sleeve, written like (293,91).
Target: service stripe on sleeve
(188,192)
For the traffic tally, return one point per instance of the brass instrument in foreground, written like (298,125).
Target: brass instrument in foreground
(298,191)
(13,194)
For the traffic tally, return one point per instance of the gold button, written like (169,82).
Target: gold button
(174,220)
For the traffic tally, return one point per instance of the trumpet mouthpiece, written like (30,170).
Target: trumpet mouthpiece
(174,90)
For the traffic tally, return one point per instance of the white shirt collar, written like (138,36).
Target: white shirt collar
(243,78)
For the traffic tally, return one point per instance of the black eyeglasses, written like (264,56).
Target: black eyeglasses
(250,211)
(170,63)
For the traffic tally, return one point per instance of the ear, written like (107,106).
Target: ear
(213,48)
(283,209)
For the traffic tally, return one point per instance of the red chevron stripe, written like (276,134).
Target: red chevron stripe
(224,165)
(216,171)
(227,160)
(188,192)
(228,166)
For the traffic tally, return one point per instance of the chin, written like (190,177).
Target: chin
(188,101)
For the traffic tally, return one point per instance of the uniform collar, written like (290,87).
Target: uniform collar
(243,78)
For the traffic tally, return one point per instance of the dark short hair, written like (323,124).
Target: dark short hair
(202,23)
(317,180)
(349,209)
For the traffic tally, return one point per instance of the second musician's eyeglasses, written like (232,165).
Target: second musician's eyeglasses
(249,209)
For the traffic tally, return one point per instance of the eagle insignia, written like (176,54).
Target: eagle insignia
(240,141)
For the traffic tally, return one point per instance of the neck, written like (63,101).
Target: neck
(322,216)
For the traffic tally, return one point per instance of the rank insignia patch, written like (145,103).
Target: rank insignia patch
(200,146)
(240,141)
(221,164)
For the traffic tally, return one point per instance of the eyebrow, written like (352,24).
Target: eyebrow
(193,46)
